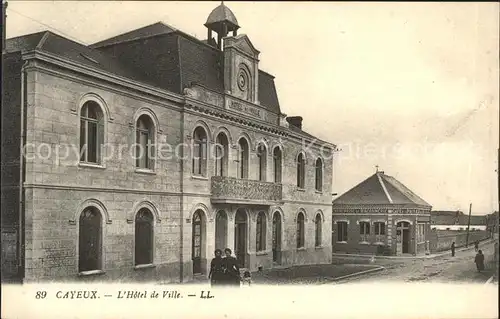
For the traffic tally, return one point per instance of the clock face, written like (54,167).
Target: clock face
(242,80)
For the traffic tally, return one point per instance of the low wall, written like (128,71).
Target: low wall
(441,240)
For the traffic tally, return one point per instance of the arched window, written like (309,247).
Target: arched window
(221,154)
(301,171)
(144,237)
(243,150)
(277,164)
(300,230)
(91,133)
(319,174)
(199,151)
(144,139)
(318,232)
(90,240)
(262,155)
(261,231)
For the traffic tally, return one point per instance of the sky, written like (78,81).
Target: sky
(410,87)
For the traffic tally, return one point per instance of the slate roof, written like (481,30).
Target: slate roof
(158,55)
(146,31)
(220,14)
(195,61)
(380,189)
(55,44)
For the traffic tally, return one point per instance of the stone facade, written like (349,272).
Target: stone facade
(58,187)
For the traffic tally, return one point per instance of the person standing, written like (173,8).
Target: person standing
(479,260)
(476,245)
(232,270)
(453,249)
(216,274)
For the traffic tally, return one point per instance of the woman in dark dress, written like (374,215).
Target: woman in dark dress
(231,269)
(479,260)
(216,274)
(453,249)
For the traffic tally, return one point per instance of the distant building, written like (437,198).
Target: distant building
(456,220)
(380,215)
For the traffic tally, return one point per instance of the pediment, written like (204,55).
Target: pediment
(243,43)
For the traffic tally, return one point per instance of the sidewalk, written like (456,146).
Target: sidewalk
(430,256)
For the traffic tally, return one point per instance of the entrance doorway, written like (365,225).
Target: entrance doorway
(221,230)
(403,238)
(277,238)
(197,241)
(240,237)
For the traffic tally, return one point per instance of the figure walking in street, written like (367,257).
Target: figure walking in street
(476,245)
(216,274)
(479,260)
(231,269)
(453,249)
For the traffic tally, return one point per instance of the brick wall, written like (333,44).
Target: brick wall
(354,244)
(442,240)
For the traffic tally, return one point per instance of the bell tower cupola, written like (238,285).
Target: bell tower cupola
(221,21)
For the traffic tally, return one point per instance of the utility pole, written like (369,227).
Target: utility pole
(468,226)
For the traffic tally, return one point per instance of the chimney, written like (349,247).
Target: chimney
(295,121)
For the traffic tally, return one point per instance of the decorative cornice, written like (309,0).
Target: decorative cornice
(389,208)
(232,117)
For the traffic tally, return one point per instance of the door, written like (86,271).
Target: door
(399,245)
(240,236)
(276,237)
(89,240)
(197,240)
(220,230)
(406,241)
(403,238)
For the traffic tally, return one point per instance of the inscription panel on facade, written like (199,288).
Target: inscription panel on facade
(246,109)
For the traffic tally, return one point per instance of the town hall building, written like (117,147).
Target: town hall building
(380,216)
(136,157)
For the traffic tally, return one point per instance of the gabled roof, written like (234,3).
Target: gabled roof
(380,189)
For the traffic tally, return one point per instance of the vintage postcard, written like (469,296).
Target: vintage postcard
(230,159)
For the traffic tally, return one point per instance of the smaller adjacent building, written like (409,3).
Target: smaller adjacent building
(456,220)
(380,215)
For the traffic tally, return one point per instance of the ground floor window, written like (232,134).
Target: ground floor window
(300,230)
(318,234)
(364,231)
(90,240)
(420,233)
(379,231)
(144,237)
(342,231)
(261,232)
